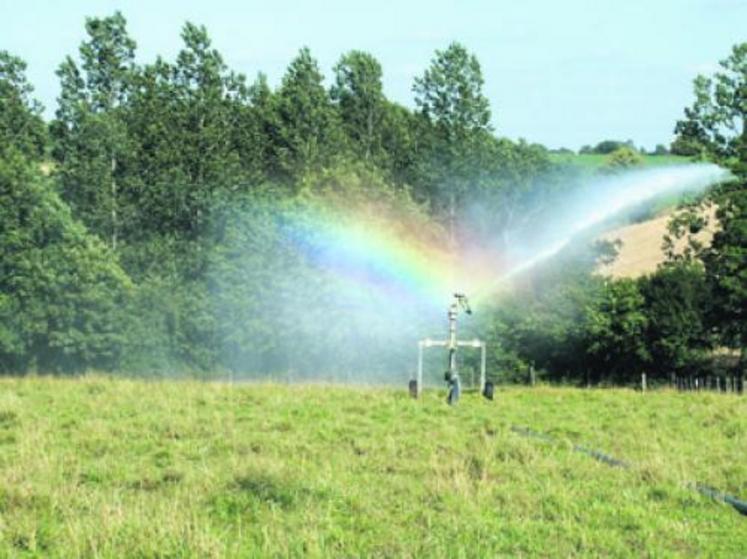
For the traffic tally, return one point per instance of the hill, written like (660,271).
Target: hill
(641,250)
(119,468)
(592,161)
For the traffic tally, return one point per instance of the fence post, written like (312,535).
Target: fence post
(643,382)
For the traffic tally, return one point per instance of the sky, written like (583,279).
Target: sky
(561,73)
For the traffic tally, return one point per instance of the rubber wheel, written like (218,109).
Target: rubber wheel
(488,390)
(455,391)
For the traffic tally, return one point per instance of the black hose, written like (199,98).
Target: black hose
(739,505)
(606,458)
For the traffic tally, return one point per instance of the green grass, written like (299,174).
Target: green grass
(592,161)
(98,467)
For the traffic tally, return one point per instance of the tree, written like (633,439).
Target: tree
(209,96)
(457,117)
(204,105)
(676,305)
(60,290)
(308,128)
(21,125)
(359,95)
(622,158)
(91,140)
(608,146)
(716,123)
(615,333)
(726,269)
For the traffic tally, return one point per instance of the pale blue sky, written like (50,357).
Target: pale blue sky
(563,73)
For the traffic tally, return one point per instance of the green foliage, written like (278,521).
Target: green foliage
(716,123)
(726,268)
(21,126)
(455,126)
(607,147)
(62,292)
(621,159)
(359,94)
(91,143)
(677,304)
(309,134)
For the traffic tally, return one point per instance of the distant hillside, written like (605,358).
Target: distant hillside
(641,251)
(592,161)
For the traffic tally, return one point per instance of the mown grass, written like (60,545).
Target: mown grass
(119,468)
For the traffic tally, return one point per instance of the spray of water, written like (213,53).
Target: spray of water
(596,203)
(343,289)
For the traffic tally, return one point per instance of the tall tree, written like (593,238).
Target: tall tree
(359,94)
(726,269)
(457,116)
(615,333)
(210,95)
(89,132)
(716,123)
(309,135)
(21,125)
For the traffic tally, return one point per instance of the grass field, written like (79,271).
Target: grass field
(117,468)
(595,160)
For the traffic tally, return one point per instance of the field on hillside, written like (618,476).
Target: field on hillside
(592,161)
(641,249)
(118,468)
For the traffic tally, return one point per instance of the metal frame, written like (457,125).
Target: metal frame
(426,343)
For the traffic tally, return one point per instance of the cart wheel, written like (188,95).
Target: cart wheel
(455,390)
(413,386)
(488,390)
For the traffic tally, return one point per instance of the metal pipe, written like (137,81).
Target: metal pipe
(483,360)
(420,369)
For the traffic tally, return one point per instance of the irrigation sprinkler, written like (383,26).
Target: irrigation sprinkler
(460,303)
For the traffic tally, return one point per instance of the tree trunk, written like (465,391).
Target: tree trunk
(114,204)
(369,134)
(452,221)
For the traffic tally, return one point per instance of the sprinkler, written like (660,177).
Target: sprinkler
(451,376)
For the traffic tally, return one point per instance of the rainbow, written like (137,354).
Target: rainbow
(369,253)
(372,255)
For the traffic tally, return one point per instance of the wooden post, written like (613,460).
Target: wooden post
(718,384)
(532,379)
(643,382)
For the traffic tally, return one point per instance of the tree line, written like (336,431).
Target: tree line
(124,221)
